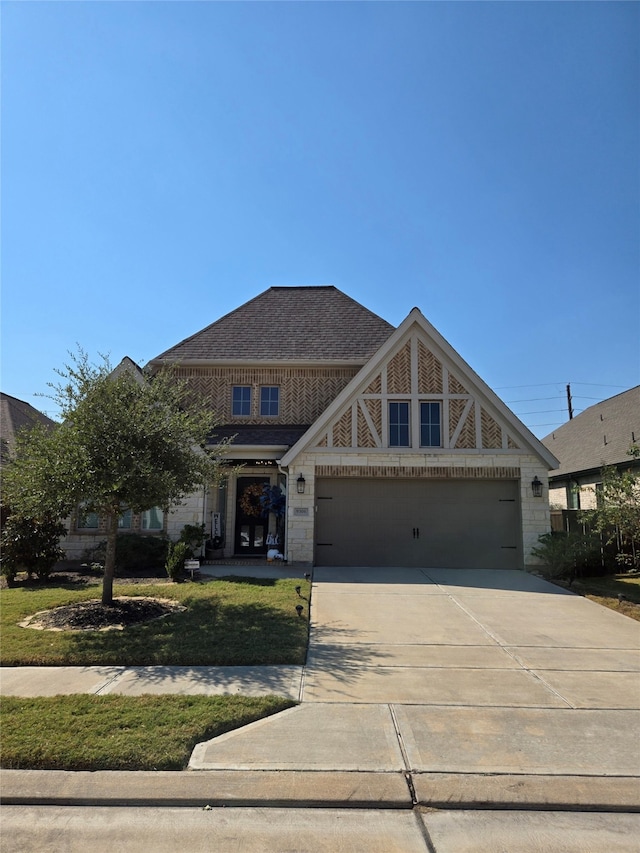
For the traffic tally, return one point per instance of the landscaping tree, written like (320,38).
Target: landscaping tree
(617,516)
(126,441)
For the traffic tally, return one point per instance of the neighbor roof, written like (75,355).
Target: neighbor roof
(15,415)
(601,435)
(288,323)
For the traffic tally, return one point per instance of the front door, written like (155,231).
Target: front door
(251,526)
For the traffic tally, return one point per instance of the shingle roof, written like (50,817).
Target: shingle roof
(259,434)
(601,435)
(297,323)
(15,415)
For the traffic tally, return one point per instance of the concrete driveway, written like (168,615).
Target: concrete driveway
(452,676)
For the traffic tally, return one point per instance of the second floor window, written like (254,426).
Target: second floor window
(430,433)
(398,425)
(241,400)
(269,400)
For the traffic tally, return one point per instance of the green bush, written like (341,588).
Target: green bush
(134,551)
(177,553)
(193,535)
(30,545)
(566,555)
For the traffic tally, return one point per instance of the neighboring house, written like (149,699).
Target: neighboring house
(16,415)
(390,450)
(600,436)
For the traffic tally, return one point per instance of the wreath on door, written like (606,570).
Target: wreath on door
(250,500)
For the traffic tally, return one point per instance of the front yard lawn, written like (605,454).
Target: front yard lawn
(119,732)
(233,622)
(605,590)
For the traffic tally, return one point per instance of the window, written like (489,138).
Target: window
(87,520)
(125,522)
(152,519)
(430,431)
(398,425)
(573,497)
(241,400)
(269,400)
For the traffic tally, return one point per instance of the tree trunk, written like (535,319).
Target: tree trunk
(110,560)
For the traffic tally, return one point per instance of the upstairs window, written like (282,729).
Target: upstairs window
(430,425)
(269,401)
(399,425)
(241,401)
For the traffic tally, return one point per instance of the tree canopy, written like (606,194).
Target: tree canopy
(127,440)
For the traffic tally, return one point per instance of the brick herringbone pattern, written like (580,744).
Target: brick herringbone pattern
(456,408)
(467,438)
(455,386)
(491,431)
(365,439)
(399,371)
(374,407)
(304,393)
(342,430)
(375,386)
(429,371)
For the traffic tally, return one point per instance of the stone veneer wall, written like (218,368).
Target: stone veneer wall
(300,510)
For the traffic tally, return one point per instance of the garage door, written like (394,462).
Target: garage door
(428,523)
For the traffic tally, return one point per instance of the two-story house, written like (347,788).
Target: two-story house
(390,450)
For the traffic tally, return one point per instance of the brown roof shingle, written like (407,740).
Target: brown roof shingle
(289,323)
(601,435)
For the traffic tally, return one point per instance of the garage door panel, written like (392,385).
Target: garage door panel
(448,524)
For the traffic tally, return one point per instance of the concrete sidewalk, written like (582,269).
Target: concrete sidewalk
(422,688)
(156,680)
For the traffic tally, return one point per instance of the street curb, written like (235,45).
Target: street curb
(527,791)
(203,788)
(319,789)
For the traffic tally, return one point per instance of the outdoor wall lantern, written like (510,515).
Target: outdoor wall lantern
(536,487)
(300,484)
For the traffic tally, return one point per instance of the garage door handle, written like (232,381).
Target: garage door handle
(416,532)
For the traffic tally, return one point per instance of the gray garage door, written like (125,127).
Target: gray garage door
(429,523)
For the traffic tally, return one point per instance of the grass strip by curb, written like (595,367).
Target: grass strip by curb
(83,732)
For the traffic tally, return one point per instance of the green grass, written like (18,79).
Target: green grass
(119,732)
(605,591)
(233,621)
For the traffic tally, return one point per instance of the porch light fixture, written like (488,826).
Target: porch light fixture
(300,483)
(536,487)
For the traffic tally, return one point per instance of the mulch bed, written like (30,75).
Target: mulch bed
(95,616)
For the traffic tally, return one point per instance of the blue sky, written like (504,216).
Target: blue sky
(162,163)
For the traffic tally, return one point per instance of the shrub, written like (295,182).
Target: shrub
(133,551)
(177,553)
(564,555)
(193,535)
(30,545)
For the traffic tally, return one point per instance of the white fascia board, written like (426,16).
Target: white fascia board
(447,353)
